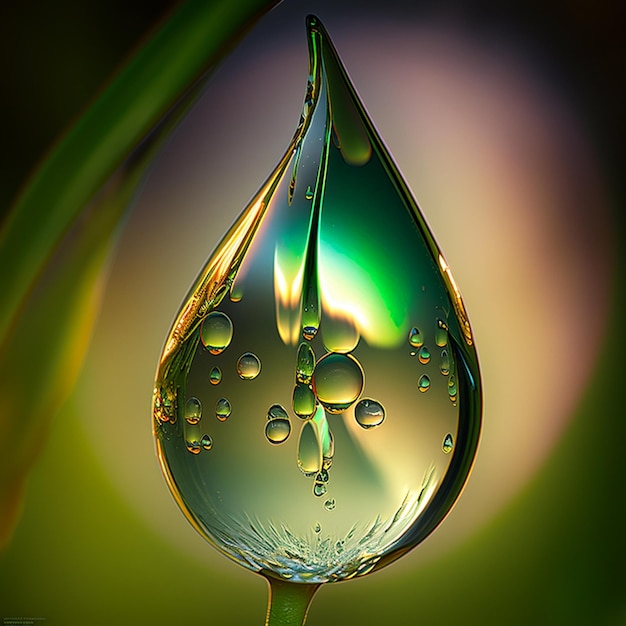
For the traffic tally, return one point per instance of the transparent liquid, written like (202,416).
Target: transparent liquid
(317,404)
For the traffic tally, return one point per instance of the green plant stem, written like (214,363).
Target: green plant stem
(288,602)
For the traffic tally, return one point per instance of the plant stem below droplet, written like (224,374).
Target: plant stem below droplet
(288,602)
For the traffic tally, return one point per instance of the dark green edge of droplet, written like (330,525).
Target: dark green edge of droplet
(464,354)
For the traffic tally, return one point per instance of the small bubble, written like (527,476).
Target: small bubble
(193,410)
(416,339)
(329,505)
(276,411)
(248,366)
(216,332)
(308,194)
(305,363)
(303,400)
(423,383)
(319,489)
(193,446)
(308,332)
(441,334)
(369,413)
(337,381)
(277,430)
(452,388)
(424,355)
(448,444)
(206,442)
(445,362)
(322,477)
(215,376)
(222,409)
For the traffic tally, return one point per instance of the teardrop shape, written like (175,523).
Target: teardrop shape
(297,276)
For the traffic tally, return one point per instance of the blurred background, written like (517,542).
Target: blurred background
(508,127)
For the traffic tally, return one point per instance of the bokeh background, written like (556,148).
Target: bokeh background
(507,124)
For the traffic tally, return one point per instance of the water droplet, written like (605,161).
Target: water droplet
(216,332)
(452,390)
(206,442)
(248,366)
(317,528)
(423,383)
(309,450)
(369,413)
(277,430)
(319,489)
(346,273)
(441,334)
(215,376)
(305,363)
(448,444)
(308,194)
(416,339)
(193,410)
(222,409)
(445,362)
(424,355)
(337,381)
(303,400)
(276,411)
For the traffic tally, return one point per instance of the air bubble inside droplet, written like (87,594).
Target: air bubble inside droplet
(423,383)
(416,339)
(193,410)
(369,413)
(448,444)
(216,332)
(337,381)
(424,355)
(309,450)
(248,366)
(441,334)
(277,430)
(303,400)
(445,363)
(222,409)
(215,376)
(305,363)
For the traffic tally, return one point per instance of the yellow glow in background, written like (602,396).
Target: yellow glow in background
(509,180)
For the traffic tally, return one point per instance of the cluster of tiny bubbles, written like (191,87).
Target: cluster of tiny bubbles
(368,413)
(216,332)
(193,410)
(448,443)
(278,426)
(215,376)
(222,409)
(248,366)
